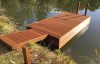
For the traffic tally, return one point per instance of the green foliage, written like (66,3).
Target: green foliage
(6,26)
(31,44)
(58,52)
(39,55)
(13,57)
(62,59)
(42,55)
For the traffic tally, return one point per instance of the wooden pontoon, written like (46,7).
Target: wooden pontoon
(61,28)
(58,29)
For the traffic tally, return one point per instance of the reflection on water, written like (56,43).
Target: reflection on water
(83,48)
(28,11)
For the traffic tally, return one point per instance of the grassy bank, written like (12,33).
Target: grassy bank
(42,55)
(39,55)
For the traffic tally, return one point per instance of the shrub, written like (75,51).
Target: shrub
(6,26)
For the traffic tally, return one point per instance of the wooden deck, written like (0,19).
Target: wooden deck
(59,29)
(21,38)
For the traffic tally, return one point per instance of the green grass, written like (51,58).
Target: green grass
(13,57)
(39,55)
(42,55)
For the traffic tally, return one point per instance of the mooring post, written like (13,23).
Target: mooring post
(26,54)
(78,6)
(86,8)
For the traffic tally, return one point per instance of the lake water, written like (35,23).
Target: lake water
(82,49)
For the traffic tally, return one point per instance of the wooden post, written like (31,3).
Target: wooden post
(26,54)
(78,6)
(86,8)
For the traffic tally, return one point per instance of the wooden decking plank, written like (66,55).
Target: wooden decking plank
(14,38)
(24,36)
(59,27)
(31,35)
(46,27)
(8,41)
(20,38)
(56,26)
(17,37)
(45,30)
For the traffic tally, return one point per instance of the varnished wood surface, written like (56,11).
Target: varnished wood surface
(60,24)
(62,27)
(19,39)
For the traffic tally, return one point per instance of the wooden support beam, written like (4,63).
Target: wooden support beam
(26,54)
(86,8)
(78,6)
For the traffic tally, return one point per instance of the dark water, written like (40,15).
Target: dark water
(82,48)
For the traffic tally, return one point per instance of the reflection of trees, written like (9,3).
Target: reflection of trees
(94,4)
(23,9)
(1,10)
(70,5)
(11,7)
(18,9)
(65,5)
(26,9)
(41,9)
